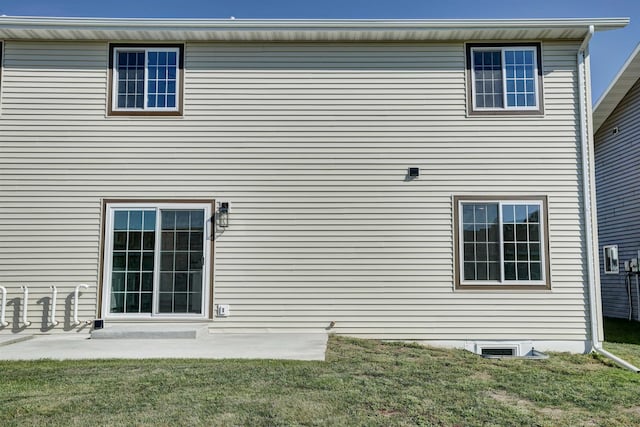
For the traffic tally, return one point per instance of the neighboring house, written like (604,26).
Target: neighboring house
(616,124)
(411,180)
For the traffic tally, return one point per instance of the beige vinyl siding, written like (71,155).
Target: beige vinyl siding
(47,239)
(310,143)
(617,178)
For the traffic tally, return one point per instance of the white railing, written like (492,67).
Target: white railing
(76,321)
(25,306)
(3,322)
(52,307)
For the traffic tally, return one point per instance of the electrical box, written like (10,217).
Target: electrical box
(631,266)
(224,310)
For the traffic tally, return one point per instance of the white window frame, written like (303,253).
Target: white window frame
(111,208)
(115,79)
(2,50)
(502,50)
(502,282)
(613,249)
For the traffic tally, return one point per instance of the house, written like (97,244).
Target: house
(616,134)
(413,180)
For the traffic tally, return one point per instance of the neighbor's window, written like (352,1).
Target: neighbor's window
(146,79)
(501,242)
(504,78)
(611,259)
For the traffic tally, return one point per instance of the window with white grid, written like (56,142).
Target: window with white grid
(504,78)
(487,71)
(146,79)
(520,70)
(501,242)
(130,69)
(162,75)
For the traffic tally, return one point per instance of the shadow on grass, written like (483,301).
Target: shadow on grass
(621,331)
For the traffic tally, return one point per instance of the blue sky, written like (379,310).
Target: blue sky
(609,49)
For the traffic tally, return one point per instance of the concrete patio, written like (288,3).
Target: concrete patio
(169,344)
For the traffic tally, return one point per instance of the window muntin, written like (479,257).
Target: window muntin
(521,73)
(504,78)
(181,261)
(156,260)
(481,241)
(501,242)
(132,261)
(130,66)
(521,237)
(146,79)
(610,256)
(487,75)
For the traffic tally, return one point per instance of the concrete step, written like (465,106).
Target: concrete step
(163,331)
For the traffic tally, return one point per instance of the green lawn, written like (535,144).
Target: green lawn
(362,383)
(623,339)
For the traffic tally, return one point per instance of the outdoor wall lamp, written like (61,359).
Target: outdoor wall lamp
(223,215)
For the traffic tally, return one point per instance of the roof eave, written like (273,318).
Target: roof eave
(304,30)
(617,89)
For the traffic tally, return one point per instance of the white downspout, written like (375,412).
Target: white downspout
(25,305)
(3,322)
(76,321)
(54,299)
(583,87)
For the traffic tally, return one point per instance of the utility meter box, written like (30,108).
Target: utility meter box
(224,310)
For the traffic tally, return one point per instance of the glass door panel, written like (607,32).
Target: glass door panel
(132,261)
(181,261)
(155,260)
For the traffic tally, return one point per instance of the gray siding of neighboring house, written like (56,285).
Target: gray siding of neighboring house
(618,195)
(310,143)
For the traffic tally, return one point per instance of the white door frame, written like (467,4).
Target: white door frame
(110,209)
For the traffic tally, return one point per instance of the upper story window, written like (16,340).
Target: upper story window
(504,79)
(146,79)
(501,242)
(1,62)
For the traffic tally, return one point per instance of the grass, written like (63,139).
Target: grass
(362,383)
(623,339)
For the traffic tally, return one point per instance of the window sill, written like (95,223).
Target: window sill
(143,117)
(539,288)
(145,114)
(506,113)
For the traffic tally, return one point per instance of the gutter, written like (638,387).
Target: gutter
(584,83)
(601,24)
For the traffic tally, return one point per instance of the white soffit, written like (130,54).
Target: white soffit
(621,84)
(50,28)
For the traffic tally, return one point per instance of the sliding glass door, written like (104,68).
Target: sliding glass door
(156,260)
